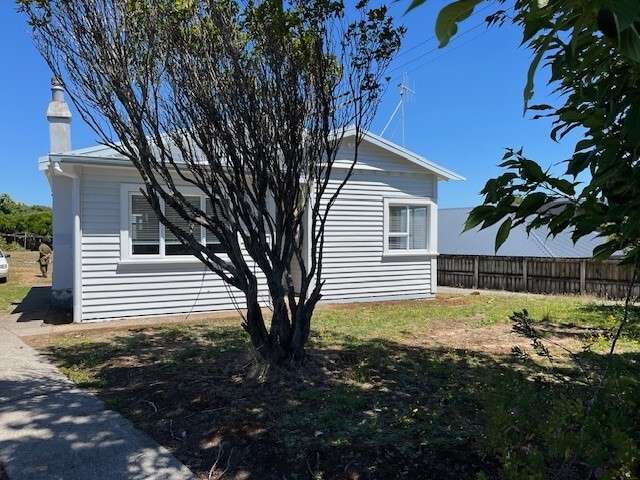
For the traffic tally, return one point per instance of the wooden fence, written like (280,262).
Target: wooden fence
(536,275)
(28,241)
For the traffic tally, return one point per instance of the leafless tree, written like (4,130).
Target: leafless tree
(248,101)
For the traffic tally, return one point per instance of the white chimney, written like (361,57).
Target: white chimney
(59,118)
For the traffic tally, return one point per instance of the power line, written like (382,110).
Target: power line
(443,54)
(432,37)
(434,49)
(404,89)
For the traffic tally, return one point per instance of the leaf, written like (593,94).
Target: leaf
(532,171)
(533,23)
(604,251)
(626,12)
(632,124)
(450,16)
(564,185)
(508,163)
(503,233)
(561,219)
(414,4)
(532,203)
(528,89)
(476,216)
(542,106)
(584,144)
(630,44)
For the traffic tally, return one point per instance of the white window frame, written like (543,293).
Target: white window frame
(126,256)
(432,226)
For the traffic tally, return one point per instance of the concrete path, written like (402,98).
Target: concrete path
(50,430)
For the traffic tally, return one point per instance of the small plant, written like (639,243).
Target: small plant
(580,429)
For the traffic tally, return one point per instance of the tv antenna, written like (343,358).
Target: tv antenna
(404,90)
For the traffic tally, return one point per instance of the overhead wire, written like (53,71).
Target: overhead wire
(436,48)
(429,60)
(432,37)
(443,54)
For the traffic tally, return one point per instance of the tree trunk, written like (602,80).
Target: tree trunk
(283,346)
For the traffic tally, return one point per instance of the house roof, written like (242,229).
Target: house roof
(451,240)
(412,157)
(101,154)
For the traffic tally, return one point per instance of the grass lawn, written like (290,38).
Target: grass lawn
(424,389)
(11,293)
(23,274)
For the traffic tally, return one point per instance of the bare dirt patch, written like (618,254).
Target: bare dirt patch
(24,269)
(499,339)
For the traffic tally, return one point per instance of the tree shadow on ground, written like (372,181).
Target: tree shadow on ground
(610,314)
(569,331)
(51,429)
(358,409)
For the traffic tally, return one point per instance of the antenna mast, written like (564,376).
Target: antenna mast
(404,89)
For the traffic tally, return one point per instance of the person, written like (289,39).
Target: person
(45,258)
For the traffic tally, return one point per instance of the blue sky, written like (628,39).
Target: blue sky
(467,107)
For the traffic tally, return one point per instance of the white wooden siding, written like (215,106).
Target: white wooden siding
(111,289)
(374,158)
(354,265)
(353,262)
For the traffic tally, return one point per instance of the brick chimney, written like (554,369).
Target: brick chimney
(59,118)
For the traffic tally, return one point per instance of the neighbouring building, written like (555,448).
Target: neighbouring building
(538,243)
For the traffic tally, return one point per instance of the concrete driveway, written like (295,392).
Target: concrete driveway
(50,430)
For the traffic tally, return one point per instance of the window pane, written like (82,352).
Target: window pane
(145,228)
(397,243)
(173,246)
(418,233)
(398,219)
(212,242)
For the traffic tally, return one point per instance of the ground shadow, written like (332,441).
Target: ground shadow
(374,409)
(611,314)
(36,306)
(52,429)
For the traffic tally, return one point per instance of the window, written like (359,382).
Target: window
(144,227)
(407,224)
(144,237)
(172,245)
(210,239)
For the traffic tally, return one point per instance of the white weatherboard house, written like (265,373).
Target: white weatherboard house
(113,259)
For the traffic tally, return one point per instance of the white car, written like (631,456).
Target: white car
(4,267)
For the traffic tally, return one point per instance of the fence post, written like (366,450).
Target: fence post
(476,272)
(583,277)
(525,287)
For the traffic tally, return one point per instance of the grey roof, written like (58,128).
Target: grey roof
(106,152)
(452,241)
